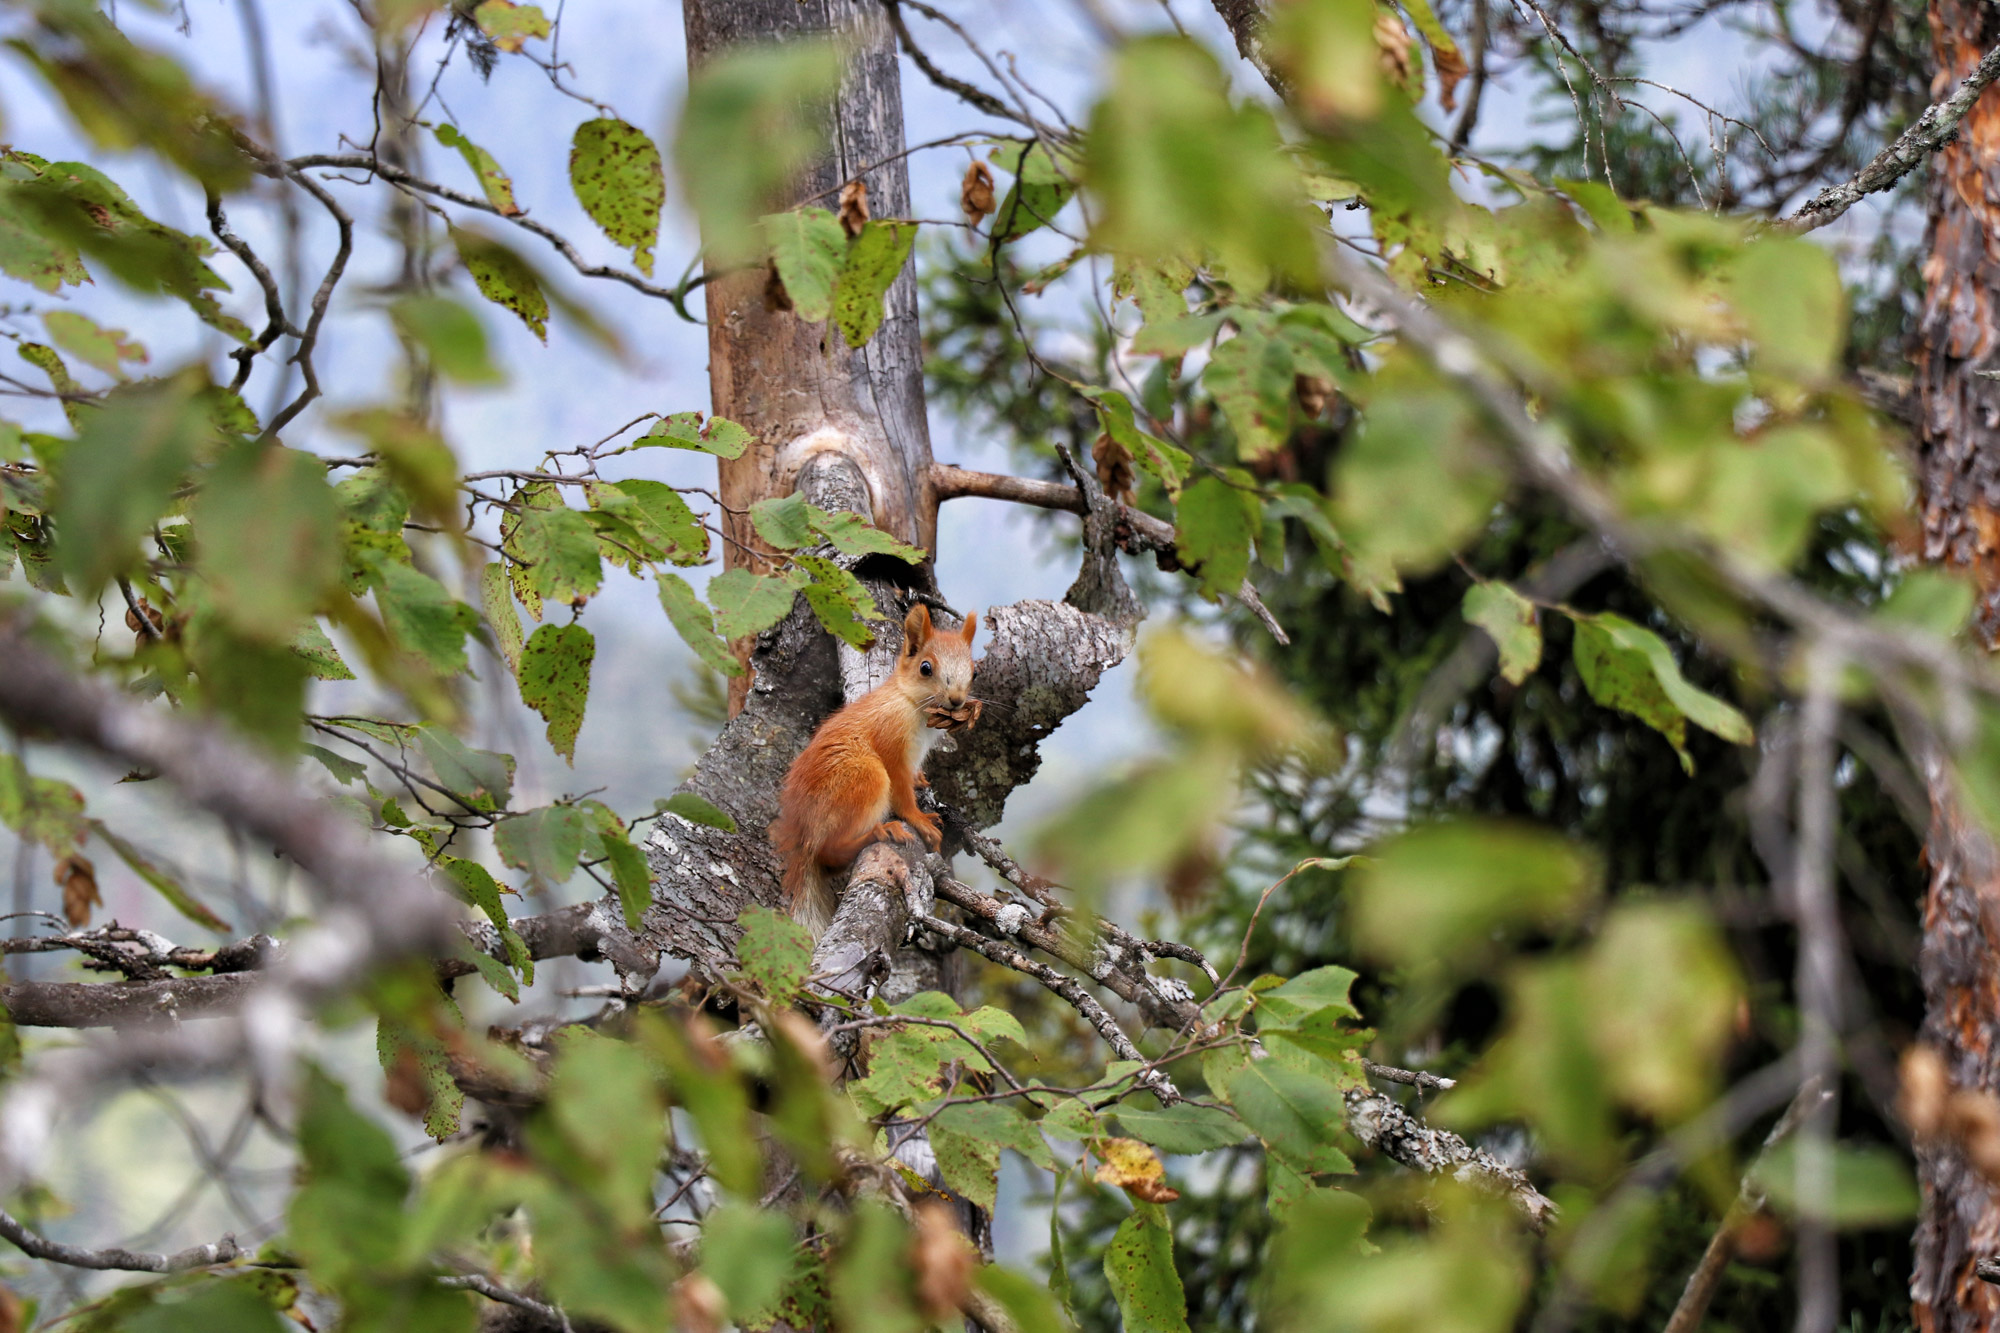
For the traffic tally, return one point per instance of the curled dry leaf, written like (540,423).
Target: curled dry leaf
(942,1259)
(10,1311)
(1393,43)
(1451,71)
(1114,468)
(805,1035)
(78,878)
(1315,394)
(854,207)
(975,193)
(137,626)
(1135,1168)
(1925,1087)
(699,1306)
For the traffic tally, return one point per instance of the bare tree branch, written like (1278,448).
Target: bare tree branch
(1383,1125)
(1935,128)
(38,1246)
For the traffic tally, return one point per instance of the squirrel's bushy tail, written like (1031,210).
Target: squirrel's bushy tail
(809,893)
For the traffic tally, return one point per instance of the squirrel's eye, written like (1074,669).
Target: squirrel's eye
(924,670)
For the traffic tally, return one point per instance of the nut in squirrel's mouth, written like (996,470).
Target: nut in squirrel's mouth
(953,720)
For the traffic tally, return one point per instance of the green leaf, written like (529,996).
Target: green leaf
(1040,190)
(659,512)
(684,430)
(555,681)
(1413,441)
(852,535)
(1321,990)
(630,876)
(166,885)
(1139,1265)
(755,117)
(424,619)
(510,25)
(545,842)
(1296,1114)
(267,539)
(785,521)
(1933,600)
(1251,377)
(1871,1184)
(969,1163)
(1631,669)
(775,953)
(808,247)
(450,335)
(1600,203)
(748,1253)
(504,278)
(561,553)
(695,623)
(1185,1128)
(874,258)
(1509,619)
(1438,893)
(840,601)
(1179,171)
(119,476)
(345,771)
(747,603)
(83,338)
(500,613)
(1664,998)
(483,779)
(695,810)
(1031,1304)
(615,172)
(322,659)
(494,182)
(1213,528)
(1788,293)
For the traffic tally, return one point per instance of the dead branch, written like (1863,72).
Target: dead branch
(38,1246)
(1383,1125)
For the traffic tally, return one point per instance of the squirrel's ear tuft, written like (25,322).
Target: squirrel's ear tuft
(916,629)
(971,628)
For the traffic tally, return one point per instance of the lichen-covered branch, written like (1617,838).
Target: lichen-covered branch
(1384,1126)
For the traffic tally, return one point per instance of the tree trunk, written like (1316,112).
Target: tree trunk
(797,386)
(1959,479)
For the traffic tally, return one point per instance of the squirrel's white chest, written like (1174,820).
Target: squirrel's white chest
(920,747)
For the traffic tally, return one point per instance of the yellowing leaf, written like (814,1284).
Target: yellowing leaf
(615,171)
(1630,668)
(874,258)
(1509,620)
(510,25)
(555,681)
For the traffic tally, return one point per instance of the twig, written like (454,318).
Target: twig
(38,1246)
(493,1291)
(1707,1274)
(1410,1078)
(1383,1125)
(1935,128)
(1069,989)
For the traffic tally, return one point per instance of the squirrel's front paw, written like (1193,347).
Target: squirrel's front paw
(927,825)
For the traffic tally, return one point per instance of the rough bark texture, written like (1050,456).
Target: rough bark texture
(1959,476)
(798,387)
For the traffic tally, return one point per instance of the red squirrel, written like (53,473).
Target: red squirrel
(864,762)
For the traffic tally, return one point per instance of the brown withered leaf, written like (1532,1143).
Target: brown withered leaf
(854,207)
(78,878)
(699,1306)
(804,1034)
(1188,878)
(1134,1167)
(1315,394)
(1114,468)
(10,1311)
(943,1261)
(1392,44)
(1451,71)
(138,626)
(975,193)
(1925,1087)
